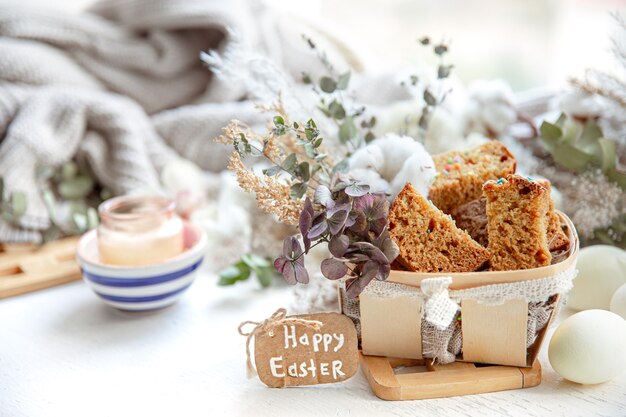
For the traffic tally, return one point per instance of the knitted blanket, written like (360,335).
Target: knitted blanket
(122,87)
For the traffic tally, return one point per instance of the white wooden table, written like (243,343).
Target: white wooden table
(64,353)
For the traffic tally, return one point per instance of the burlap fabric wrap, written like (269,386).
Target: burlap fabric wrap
(442,338)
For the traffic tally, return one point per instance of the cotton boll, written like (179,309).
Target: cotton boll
(577,103)
(490,107)
(588,347)
(395,150)
(618,302)
(444,132)
(181,174)
(368,157)
(419,170)
(371,178)
(602,270)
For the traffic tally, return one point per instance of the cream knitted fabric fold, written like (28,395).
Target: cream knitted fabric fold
(122,87)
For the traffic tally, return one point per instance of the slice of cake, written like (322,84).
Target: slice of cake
(472,217)
(428,239)
(517,216)
(461,174)
(557,239)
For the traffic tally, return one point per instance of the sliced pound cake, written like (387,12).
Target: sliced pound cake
(461,174)
(428,239)
(517,215)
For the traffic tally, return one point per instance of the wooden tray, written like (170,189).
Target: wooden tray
(25,268)
(417,379)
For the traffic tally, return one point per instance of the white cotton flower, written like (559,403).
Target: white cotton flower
(395,160)
(181,174)
(444,133)
(578,104)
(490,108)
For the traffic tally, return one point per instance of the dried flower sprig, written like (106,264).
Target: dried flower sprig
(433,95)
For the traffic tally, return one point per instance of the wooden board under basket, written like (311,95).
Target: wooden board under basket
(25,268)
(416,379)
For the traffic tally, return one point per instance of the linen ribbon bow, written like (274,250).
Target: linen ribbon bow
(439,309)
(279,317)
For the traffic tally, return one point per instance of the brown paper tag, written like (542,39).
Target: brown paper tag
(298,355)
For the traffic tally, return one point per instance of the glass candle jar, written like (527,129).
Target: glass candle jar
(139,230)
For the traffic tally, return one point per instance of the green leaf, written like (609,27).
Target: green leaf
(92,218)
(607,154)
(50,203)
(327,84)
(571,131)
(340,167)
(309,150)
(76,188)
(289,164)
(18,205)
(369,136)
(264,276)
(429,98)
(336,110)
(271,171)
(255,261)
(317,142)
(617,177)
(304,171)
(443,71)
(440,49)
(550,135)
(69,170)
(347,130)
(231,275)
(343,81)
(588,140)
(571,158)
(279,121)
(297,190)
(80,221)
(1,189)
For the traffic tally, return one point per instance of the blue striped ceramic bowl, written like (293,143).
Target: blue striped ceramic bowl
(141,288)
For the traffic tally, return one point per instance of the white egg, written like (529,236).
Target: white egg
(618,302)
(602,270)
(589,347)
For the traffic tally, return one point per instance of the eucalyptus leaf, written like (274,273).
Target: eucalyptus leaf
(304,171)
(92,218)
(571,158)
(1,189)
(297,190)
(341,167)
(607,157)
(255,261)
(588,141)
(617,177)
(347,130)
(327,84)
(51,205)
(289,164)
(429,98)
(309,150)
(343,81)
(279,121)
(80,221)
(336,110)
(76,188)
(271,171)
(550,135)
(231,275)
(69,170)
(264,276)
(18,205)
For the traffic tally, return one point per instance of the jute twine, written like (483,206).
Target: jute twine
(267,326)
